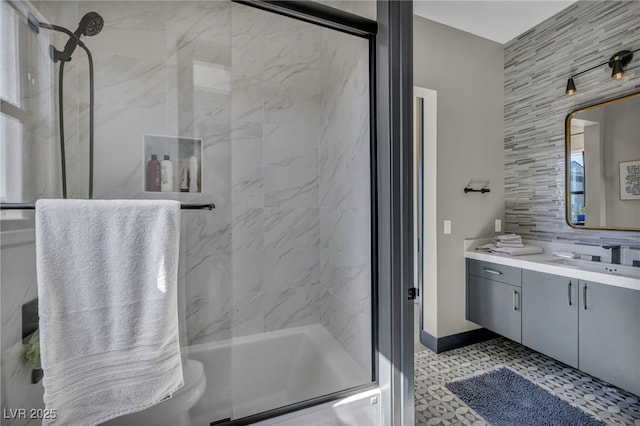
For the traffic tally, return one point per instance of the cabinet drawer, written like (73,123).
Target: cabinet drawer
(495,272)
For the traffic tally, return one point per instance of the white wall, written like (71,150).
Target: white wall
(595,209)
(467,73)
(429,192)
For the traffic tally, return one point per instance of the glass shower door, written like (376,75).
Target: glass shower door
(266,116)
(295,319)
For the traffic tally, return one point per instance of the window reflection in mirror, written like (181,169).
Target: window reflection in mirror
(577,186)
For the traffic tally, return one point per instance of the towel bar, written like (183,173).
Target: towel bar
(481,190)
(32,206)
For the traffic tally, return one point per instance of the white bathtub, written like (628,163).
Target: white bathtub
(252,374)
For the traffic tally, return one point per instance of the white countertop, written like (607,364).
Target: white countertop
(539,262)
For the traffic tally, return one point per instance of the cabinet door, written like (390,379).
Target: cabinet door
(550,315)
(609,336)
(495,306)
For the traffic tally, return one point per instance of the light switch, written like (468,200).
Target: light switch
(447,226)
(498,225)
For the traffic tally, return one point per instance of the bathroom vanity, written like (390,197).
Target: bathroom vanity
(586,319)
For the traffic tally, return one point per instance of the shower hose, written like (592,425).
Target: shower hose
(61,123)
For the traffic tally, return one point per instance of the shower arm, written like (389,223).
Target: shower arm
(57,55)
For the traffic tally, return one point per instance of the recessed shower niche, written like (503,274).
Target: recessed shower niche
(172,164)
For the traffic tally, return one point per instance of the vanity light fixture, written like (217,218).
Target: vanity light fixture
(571,86)
(616,63)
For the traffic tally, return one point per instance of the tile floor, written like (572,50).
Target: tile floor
(436,405)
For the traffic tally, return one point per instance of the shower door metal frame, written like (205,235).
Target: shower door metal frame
(390,109)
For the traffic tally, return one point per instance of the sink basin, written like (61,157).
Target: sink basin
(605,268)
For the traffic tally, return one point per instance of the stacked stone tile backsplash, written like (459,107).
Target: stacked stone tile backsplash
(537,65)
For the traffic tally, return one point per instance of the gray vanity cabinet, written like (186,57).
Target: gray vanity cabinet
(550,315)
(609,334)
(591,326)
(494,298)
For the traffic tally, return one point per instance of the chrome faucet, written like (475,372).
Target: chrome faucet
(615,253)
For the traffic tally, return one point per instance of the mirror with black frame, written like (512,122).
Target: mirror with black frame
(602,143)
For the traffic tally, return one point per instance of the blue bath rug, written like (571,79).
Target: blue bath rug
(504,398)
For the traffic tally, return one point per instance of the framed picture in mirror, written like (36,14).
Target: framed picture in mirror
(629,180)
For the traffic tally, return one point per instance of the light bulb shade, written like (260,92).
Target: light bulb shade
(571,86)
(618,62)
(618,70)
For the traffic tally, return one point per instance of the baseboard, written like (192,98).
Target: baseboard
(447,343)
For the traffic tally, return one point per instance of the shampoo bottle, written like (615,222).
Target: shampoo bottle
(184,180)
(153,174)
(193,174)
(166,175)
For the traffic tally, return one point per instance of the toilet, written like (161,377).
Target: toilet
(174,411)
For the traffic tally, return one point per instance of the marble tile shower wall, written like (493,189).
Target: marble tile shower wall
(274,179)
(537,65)
(345,203)
(143,62)
(254,264)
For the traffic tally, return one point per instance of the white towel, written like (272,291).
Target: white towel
(511,243)
(508,237)
(107,289)
(518,251)
(486,247)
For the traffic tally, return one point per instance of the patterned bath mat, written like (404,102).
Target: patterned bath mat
(504,398)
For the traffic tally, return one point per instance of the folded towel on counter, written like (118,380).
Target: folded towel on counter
(509,244)
(486,247)
(107,289)
(508,238)
(518,251)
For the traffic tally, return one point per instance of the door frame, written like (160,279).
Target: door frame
(395,209)
(425,131)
